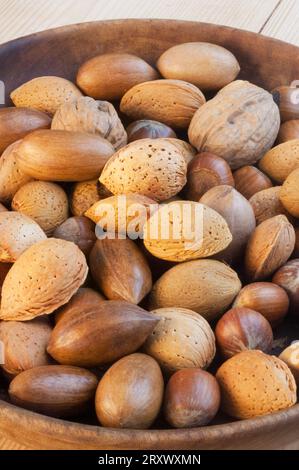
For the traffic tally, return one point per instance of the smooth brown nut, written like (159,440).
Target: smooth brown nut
(254,384)
(53,390)
(290,356)
(25,344)
(249,180)
(287,99)
(266,298)
(81,303)
(63,156)
(269,247)
(289,130)
(267,204)
(192,398)
(109,76)
(206,286)
(147,129)
(44,202)
(83,196)
(18,232)
(245,122)
(15,123)
(172,102)
(204,172)
(238,214)
(79,230)
(183,241)
(281,160)
(45,93)
(47,275)
(243,328)
(94,117)
(100,334)
(11,177)
(289,194)
(181,339)
(208,66)
(120,270)
(287,277)
(152,167)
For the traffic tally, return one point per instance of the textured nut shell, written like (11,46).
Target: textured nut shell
(79,230)
(206,286)
(46,203)
(47,275)
(83,196)
(249,180)
(240,124)
(206,65)
(290,356)
(287,277)
(180,340)
(215,234)
(269,247)
(184,147)
(130,394)
(109,76)
(152,167)
(289,130)
(281,160)
(254,384)
(267,204)
(11,177)
(18,232)
(25,344)
(45,93)
(289,194)
(94,117)
(83,301)
(63,155)
(172,102)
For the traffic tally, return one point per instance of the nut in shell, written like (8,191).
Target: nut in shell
(281,160)
(290,356)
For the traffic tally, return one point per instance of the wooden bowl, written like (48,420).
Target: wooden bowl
(264,61)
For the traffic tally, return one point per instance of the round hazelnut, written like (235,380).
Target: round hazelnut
(267,298)
(285,98)
(288,278)
(290,356)
(250,180)
(242,328)
(289,130)
(148,129)
(192,398)
(205,171)
(79,230)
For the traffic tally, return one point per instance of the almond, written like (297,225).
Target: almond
(63,156)
(82,302)
(47,275)
(289,195)
(281,160)
(269,247)
(53,390)
(206,286)
(120,270)
(172,102)
(15,123)
(45,93)
(18,232)
(152,167)
(184,147)
(193,231)
(46,203)
(83,196)
(109,76)
(267,204)
(182,339)
(100,334)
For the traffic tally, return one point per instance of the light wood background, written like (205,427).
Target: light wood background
(277,18)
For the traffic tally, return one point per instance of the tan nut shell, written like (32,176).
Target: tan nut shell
(206,286)
(289,195)
(240,124)
(266,204)
(84,195)
(172,102)
(11,176)
(184,147)
(94,117)
(45,93)
(44,202)
(281,160)
(182,339)
(152,167)
(47,275)
(212,236)
(18,232)
(269,247)
(254,384)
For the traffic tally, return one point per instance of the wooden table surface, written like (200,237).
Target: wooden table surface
(277,18)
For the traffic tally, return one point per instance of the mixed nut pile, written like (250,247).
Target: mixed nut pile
(152,330)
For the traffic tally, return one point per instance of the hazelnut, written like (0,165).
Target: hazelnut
(148,129)
(79,230)
(192,398)
(288,278)
(266,298)
(250,180)
(205,171)
(289,130)
(242,328)
(290,356)
(285,98)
